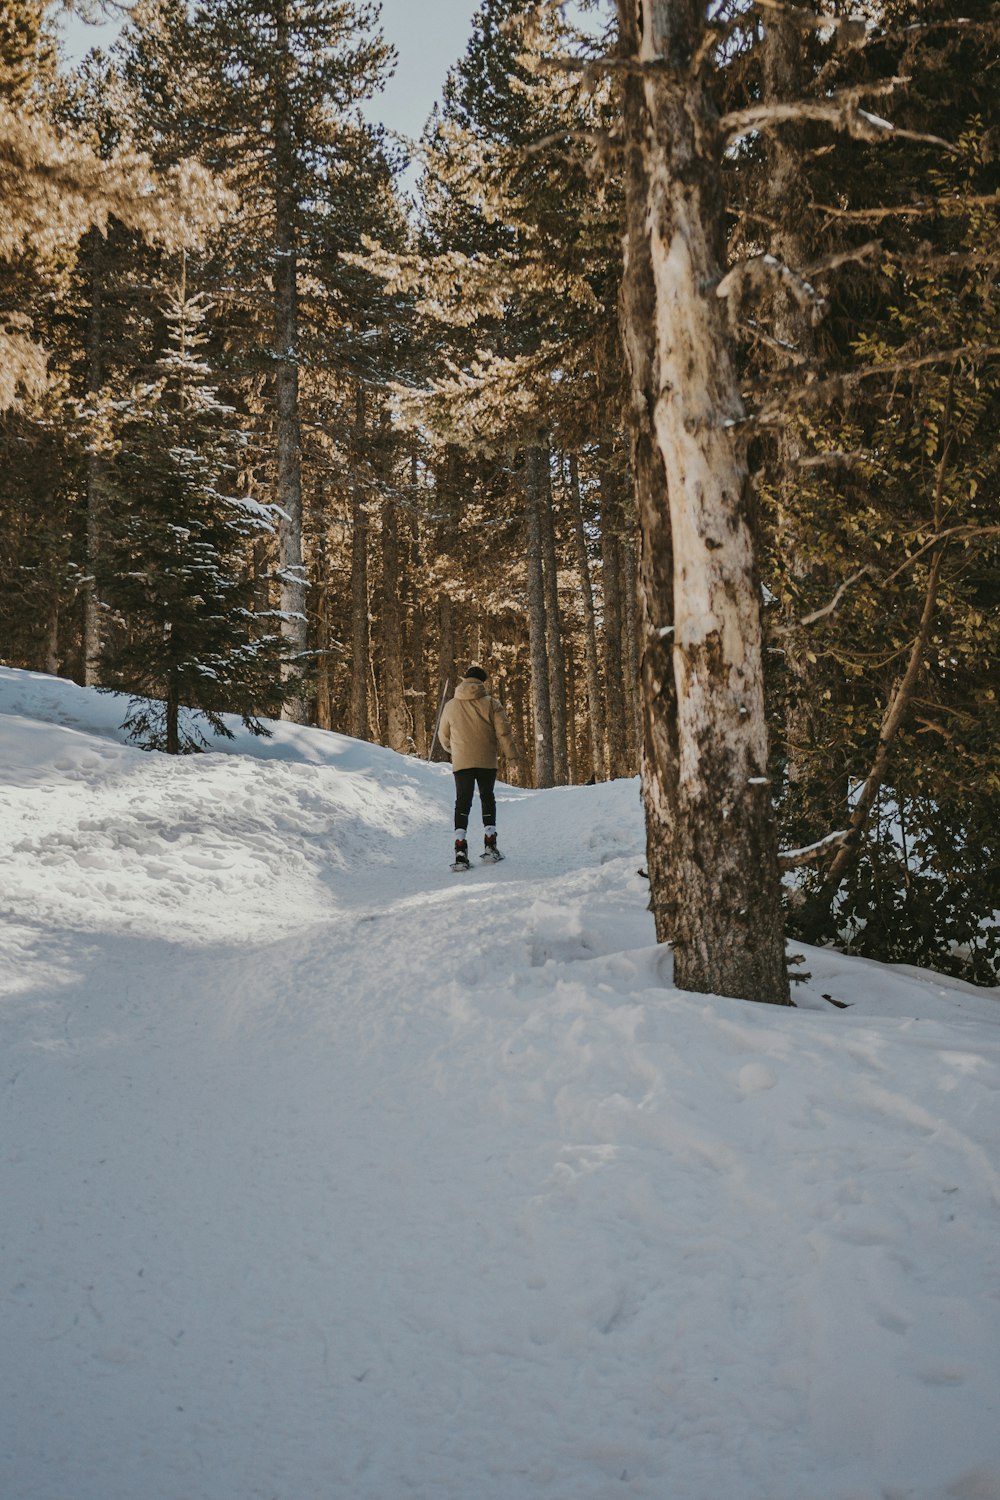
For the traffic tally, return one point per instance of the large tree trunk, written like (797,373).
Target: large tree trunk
(553,624)
(722,879)
(595,701)
(286,327)
(541,711)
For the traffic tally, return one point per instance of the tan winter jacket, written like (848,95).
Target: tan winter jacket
(472,726)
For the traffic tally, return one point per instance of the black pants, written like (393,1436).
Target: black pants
(465,784)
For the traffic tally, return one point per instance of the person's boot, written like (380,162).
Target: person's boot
(490,850)
(461,855)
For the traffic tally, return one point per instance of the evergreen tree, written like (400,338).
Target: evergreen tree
(870,351)
(266,91)
(174,572)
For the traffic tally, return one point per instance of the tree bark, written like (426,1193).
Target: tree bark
(91,664)
(553,623)
(722,881)
(324,677)
(541,710)
(415,635)
(614,664)
(360,634)
(630,623)
(598,748)
(397,729)
(286,330)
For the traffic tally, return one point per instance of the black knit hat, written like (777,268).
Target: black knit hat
(476,672)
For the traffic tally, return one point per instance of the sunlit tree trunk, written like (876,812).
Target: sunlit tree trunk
(286,337)
(541,711)
(706,773)
(553,624)
(95,379)
(397,729)
(360,632)
(614,660)
(595,700)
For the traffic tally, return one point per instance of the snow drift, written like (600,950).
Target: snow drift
(329,1175)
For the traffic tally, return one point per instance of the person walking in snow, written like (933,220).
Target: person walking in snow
(473,727)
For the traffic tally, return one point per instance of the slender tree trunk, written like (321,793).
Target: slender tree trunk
(534,497)
(92,643)
(614,658)
(52,643)
(397,727)
(517,704)
(447,672)
(324,689)
(286,339)
(630,623)
(416,633)
(572,739)
(595,701)
(360,634)
(553,625)
(723,883)
(172,708)
(785,72)
(896,710)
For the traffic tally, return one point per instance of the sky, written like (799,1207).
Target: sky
(428,35)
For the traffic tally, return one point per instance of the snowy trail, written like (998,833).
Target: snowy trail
(329,1175)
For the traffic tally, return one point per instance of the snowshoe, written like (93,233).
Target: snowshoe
(461,855)
(491,853)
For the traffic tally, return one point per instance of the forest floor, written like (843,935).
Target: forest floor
(327,1174)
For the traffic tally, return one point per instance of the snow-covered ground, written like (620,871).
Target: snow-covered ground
(330,1175)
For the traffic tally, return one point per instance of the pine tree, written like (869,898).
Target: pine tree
(190,647)
(266,91)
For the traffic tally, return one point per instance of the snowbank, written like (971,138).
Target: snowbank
(330,1175)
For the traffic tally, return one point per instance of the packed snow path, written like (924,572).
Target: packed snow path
(330,1175)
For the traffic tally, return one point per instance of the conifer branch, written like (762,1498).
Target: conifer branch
(925,208)
(841,111)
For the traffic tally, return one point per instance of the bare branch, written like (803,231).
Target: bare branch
(828,609)
(967,534)
(780,346)
(835,458)
(843,258)
(774,412)
(925,208)
(842,111)
(793,859)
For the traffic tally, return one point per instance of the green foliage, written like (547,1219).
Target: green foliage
(174,571)
(914,524)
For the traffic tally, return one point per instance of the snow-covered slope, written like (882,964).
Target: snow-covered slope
(329,1175)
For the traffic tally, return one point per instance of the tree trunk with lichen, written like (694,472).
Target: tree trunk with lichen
(713,864)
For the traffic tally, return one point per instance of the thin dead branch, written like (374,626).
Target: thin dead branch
(794,859)
(828,609)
